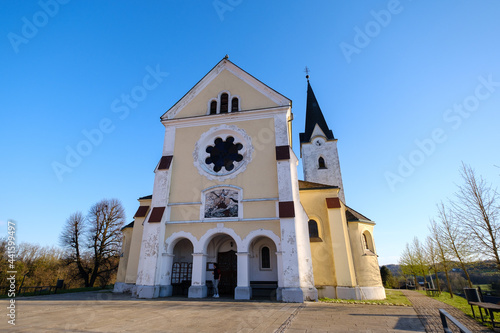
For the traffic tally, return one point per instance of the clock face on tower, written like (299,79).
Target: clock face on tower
(318,142)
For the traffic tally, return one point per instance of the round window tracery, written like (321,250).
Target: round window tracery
(223,154)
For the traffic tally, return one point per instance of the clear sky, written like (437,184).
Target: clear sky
(409,88)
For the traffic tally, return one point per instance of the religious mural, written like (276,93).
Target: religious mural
(221,203)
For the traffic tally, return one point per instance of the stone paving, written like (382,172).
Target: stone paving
(331,317)
(427,309)
(107,312)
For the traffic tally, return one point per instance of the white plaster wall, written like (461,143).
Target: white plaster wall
(153,242)
(372,292)
(302,232)
(290,259)
(149,253)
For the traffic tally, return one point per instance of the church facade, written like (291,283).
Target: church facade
(226,191)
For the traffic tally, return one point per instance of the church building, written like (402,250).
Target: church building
(226,191)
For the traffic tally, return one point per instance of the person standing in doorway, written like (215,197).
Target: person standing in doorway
(217,275)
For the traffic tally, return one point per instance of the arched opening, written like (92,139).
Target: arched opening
(213,107)
(265,258)
(321,163)
(224,103)
(234,104)
(182,267)
(222,250)
(263,268)
(367,240)
(313,230)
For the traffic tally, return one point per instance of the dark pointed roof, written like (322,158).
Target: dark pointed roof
(314,116)
(130,225)
(355,216)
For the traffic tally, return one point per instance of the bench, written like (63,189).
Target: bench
(263,288)
(432,292)
(475,297)
(445,315)
(40,289)
(490,307)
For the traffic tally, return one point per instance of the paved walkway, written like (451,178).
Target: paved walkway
(427,309)
(107,312)
(330,317)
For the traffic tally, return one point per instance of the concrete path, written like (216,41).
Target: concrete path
(107,312)
(427,309)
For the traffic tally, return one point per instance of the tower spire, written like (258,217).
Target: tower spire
(314,117)
(320,159)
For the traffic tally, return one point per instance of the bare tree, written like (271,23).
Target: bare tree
(420,259)
(477,207)
(437,238)
(73,238)
(455,240)
(106,218)
(408,263)
(94,242)
(432,257)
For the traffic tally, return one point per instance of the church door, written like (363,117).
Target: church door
(227,264)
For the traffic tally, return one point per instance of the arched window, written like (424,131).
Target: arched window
(213,107)
(234,104)
(365,243)
(367,240)
(265,258)
(313,229)
(321,163)
(224,103)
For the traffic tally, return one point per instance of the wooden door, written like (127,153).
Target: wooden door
(227,264)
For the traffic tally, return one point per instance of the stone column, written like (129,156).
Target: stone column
(279,264)
(166,275)
(198,287)
(243,290)
(287,208)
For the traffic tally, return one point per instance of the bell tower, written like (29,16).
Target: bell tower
(318,147)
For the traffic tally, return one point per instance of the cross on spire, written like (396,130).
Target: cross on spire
(306,70)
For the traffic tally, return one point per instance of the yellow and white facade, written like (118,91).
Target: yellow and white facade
(226,190)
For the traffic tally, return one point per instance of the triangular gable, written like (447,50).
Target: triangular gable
(225,64)
(318,132)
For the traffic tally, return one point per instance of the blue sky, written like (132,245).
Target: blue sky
(410,89)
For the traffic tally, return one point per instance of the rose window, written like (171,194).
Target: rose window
(224,154)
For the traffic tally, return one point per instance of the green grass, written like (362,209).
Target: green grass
(61,291)
(484,287)
(461,304)
(393,297)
